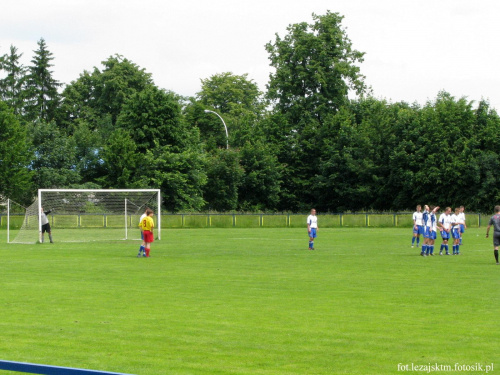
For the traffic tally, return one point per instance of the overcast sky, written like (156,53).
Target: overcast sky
(413,49)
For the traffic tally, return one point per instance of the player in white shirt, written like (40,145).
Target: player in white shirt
(434,227)
(429,219)
(444,223)
(418,226)
(312,228)
(463,226)
(455,231)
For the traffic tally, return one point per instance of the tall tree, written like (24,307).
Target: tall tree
(315,67)
(11,86)
(15,157)
(237,99)
(261,181)
(42,95)
(99,96)
(154,115)
(121,162)
(229,93)
(55,160)
(224,175)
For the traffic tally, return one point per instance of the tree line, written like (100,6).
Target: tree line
(302,143)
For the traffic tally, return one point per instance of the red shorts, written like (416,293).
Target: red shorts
(148,236)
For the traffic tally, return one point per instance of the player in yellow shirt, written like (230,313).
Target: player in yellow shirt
(147,224)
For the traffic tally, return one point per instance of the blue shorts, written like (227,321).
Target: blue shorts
(419,230)
(142,236)
(462,228)
(312,233)
(445,235)
(433,235)
(456,233)
(427,232)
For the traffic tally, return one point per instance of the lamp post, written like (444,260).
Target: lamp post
(225,127)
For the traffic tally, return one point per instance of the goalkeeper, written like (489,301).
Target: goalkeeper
(46,225)
(147,225)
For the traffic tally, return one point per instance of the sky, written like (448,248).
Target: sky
(413,49)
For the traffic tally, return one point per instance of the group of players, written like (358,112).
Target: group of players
(450,225)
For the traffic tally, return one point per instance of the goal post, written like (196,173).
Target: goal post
(80,215)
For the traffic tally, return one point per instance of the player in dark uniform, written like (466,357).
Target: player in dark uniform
(495,222)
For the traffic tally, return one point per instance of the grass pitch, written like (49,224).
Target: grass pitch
(250,301)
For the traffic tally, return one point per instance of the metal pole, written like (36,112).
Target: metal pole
(8,220)
(225,127)
(126,224)
(159,215)
(40,215)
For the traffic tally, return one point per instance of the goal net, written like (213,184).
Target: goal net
(81,215)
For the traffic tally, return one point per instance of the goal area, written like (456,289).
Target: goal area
(82,215)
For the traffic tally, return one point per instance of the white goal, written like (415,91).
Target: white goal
(80,215)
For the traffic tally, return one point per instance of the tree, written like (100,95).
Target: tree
(55,161)
(224,175)
(15,157)
(181,176)
(315,67)
(42,95)
(234,97)
(99,96)
(261,181)
(121,162)
(347,166)
(119,80)
(89,146)
(11,87)
(228,93)
(154,115)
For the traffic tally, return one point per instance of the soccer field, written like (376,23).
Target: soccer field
(251,301)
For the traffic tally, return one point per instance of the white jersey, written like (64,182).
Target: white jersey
(445,221)
(417,218)
(430,220)
(461,218)
(455,221)
(44,218)
(426,219)
(434,222)
(312,221)
(142,218)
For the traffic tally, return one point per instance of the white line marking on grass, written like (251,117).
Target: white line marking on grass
(263,239)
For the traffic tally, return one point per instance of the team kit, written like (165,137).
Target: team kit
(450,225)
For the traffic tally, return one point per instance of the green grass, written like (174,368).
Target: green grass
(250,301)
